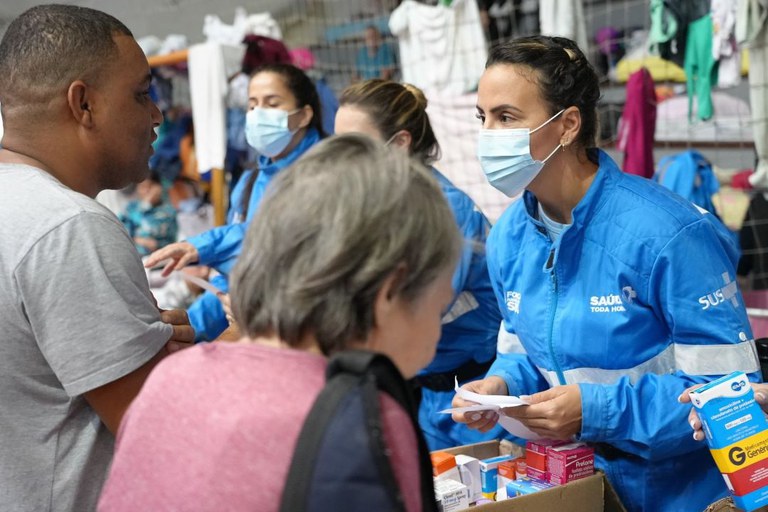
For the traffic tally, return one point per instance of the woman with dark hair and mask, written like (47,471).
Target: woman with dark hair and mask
(616,294)
(284,120)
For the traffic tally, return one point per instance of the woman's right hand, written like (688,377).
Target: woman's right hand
(180,255)
(480,420)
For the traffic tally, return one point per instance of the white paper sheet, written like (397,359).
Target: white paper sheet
(202,283)
(495,403)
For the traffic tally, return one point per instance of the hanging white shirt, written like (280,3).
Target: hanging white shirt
(564,18)
(442,48)
(208,88)
(725,50)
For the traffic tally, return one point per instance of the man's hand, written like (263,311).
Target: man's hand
(183,334)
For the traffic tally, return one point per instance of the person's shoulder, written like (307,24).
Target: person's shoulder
(638,212)
(639,203)
(228,357)
(44,202)
(652,203)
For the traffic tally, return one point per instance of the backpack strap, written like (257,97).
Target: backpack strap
(389,379)
(299,479)
(371,373)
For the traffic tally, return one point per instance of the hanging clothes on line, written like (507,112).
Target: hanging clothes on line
(208,86)
(752,31)
(690,175)
(725,50)
(638,125)
(564,18)
(442,48)
(700,67)
(261,24)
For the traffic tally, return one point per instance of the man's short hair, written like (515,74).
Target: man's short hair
(49,46)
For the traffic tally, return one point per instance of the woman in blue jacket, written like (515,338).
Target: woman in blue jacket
(396,113)
(283,121)
(616,294)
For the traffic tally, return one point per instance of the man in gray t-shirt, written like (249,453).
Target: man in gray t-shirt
(80,329)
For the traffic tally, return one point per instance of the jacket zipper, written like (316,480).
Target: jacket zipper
(558,370)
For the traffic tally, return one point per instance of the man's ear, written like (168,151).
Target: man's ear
(79,97)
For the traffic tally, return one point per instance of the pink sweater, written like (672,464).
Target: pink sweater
(215,426)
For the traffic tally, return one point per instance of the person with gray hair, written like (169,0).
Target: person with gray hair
(81,330)
(353,247)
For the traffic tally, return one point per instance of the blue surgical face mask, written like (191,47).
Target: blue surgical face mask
(266,130)
(505,156)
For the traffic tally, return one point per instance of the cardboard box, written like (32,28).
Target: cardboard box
(507,473)
(569,462)
(444,466)
(591,494)
(469,469)
(737,434)
(537,474)
(536,453)
(524,487)
(451,495)
(489,475)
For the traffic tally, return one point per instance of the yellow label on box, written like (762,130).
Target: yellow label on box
(742,453)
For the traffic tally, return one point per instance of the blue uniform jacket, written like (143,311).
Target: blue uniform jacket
(636,301)
(470,327)
(220,246)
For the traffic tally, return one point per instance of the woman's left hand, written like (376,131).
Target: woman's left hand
(554,413)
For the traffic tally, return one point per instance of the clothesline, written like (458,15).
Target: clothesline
(169,59)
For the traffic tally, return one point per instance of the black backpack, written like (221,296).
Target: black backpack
(341,461)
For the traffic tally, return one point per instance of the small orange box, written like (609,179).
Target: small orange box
(507,469)
(442,462)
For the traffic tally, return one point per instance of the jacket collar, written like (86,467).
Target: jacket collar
(607,174)
(605,179)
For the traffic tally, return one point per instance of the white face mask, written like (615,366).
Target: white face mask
(266,130)
(505,156)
